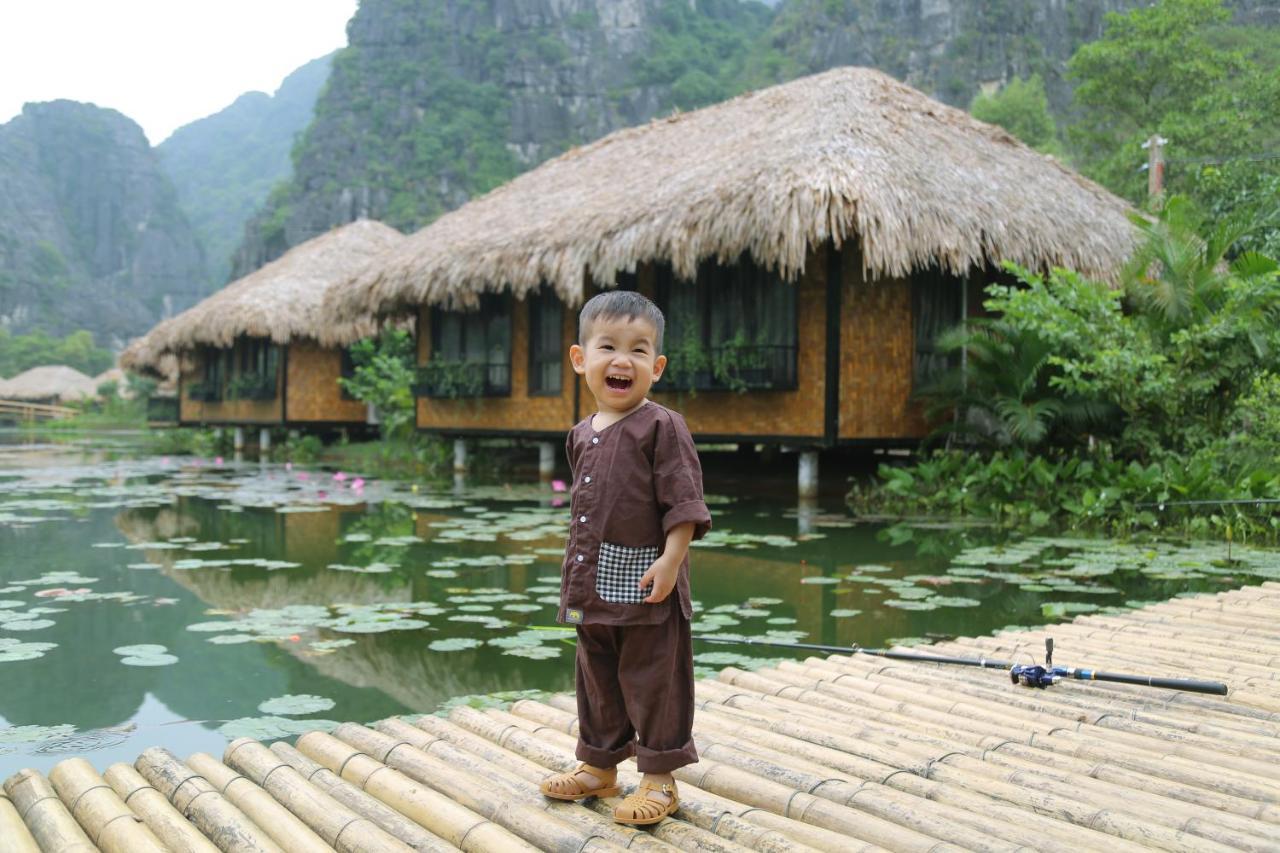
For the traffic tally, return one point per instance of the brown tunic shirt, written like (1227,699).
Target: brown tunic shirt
(633,481)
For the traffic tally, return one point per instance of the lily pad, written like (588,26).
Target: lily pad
(845,613)
(454,644)
(272,727)
(296,704)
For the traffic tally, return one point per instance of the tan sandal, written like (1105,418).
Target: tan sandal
(567,786)
(639,810)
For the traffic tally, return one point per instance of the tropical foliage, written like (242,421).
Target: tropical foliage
(1094,401)
(78,350)
(383,377)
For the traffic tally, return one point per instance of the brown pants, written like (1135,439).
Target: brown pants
(636,680)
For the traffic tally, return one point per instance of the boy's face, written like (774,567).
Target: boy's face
(620,361)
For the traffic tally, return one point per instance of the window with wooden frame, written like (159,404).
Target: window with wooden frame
(213,364)
(470,351)
(937,305)
(256,365)
(732,329)
(546,342)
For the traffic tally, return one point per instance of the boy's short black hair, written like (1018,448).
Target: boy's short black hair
(620,303)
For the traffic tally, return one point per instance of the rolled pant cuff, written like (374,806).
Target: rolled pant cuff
(665,760)
(604,758)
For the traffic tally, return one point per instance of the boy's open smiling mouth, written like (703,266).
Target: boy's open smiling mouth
(617,383)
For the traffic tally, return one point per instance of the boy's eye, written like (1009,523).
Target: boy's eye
(606,346)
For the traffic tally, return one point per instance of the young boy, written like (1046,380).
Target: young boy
(637,503)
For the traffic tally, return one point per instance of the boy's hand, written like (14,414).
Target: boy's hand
(662,574)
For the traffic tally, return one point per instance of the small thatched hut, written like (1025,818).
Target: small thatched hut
(50,384)
(806,242)
(259,352)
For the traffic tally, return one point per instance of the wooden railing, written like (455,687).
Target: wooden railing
(33,411)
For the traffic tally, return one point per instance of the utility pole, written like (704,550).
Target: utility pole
(1155,164)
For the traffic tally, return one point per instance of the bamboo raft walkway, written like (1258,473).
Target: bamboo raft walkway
(845,753)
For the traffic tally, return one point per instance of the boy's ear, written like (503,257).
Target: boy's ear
(578,359)
(659,365)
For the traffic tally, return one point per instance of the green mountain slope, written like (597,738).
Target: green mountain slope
(223,166)
(91,234)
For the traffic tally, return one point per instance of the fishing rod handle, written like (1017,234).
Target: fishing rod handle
(1215,688)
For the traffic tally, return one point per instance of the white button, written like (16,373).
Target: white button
(586,479)
(579,558)
(582,518)
(595,439)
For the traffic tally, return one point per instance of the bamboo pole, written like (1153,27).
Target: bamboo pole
(199,802)
(803,740)
(14,835)
(521,777)
(758,829)
(104,817)
(339,826)
(1123,825)
(437,812)
(47,819)
(277,821)
(922,815)
(1039,710)
(529,822)
(171,828)
(1022,763)
(417,837)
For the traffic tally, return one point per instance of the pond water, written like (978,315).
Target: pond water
(148,600)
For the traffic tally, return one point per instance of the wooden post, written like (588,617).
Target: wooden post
(238,438)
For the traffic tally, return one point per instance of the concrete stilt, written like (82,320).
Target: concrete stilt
(264,440)
(806,514)
(459,455)
(807,470)
(459,482)
(546,460)
(237,441)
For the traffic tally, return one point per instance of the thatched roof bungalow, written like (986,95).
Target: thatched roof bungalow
(806,241)
(259,351)
(49,384)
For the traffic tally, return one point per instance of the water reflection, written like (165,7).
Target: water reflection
(297,583)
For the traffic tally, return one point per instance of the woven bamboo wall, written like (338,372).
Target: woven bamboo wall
(518,412)
(877,349)
(312,390)
(796,413)
(225,411)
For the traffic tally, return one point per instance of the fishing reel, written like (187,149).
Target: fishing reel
(1034,675)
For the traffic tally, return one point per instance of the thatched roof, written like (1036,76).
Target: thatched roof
(50,382)
(280,301)
(850,154)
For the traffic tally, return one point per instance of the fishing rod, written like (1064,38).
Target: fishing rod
(1028,675)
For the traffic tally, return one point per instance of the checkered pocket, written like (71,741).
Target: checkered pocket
(620,569)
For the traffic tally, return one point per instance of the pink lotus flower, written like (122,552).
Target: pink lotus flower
(557,501)
(288,466)
(217,460)
(322,494)
(357,483)
(164,460)
(304,476)
(339,476)
(558,486)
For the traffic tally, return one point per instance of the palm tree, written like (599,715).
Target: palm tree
(1000,394)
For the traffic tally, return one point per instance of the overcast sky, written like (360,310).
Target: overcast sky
(163,63)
